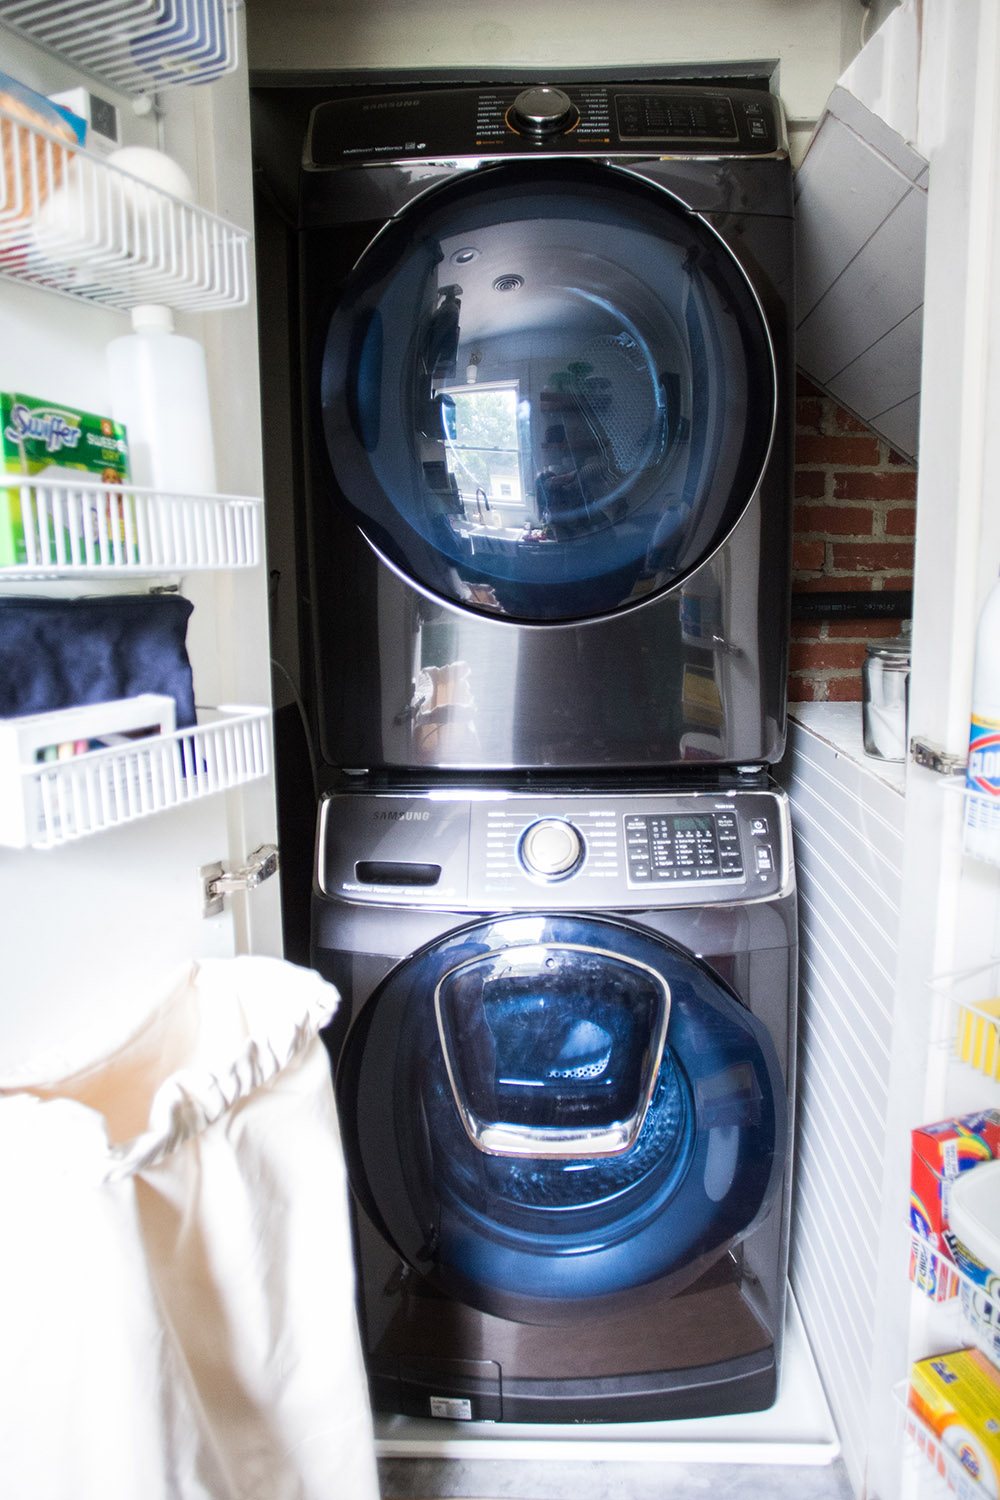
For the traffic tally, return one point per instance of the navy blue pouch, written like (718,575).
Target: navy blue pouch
(59,653)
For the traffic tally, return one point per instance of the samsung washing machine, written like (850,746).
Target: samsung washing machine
(564,1065)
(547,385)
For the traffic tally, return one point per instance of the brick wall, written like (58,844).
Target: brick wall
(854,525)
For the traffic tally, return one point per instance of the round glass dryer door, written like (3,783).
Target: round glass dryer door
(541,1111)
(548,391)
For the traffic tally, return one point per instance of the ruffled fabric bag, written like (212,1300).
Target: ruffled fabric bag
(177,1313)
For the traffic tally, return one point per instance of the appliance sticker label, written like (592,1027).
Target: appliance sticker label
(451,1408)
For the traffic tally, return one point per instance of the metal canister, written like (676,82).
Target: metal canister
(885,691)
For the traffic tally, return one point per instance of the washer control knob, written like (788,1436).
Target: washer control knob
(550,848)
(543,111)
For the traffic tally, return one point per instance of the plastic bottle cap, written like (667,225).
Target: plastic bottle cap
(152,317)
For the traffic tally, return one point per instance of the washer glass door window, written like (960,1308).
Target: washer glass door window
(544,1110)
(548,391)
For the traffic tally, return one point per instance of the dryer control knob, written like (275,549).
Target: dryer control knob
(551,848)
(543,111)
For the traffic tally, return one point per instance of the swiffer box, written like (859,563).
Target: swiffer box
(47,441)
(957,1398)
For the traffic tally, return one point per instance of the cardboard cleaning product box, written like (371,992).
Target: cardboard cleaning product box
(48,442)
(977,1036)
(940,1152)
(957,1399)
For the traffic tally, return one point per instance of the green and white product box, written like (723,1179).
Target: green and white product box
(44,442)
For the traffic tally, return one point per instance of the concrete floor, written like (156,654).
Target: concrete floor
(503,1479)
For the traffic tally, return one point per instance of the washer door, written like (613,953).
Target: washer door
(548,391)
(540,1111)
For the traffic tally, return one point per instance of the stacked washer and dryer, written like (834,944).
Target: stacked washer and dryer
(547,384)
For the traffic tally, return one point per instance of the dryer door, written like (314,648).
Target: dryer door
(541,1111)
(548,391)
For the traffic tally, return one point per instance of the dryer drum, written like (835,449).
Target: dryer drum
(574,426)
(540,1238)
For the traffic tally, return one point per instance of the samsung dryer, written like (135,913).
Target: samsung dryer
(564,1069)
(546,385)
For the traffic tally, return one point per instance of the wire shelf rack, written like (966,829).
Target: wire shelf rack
(75,223)
(63,529)
(135,46)
(70,799)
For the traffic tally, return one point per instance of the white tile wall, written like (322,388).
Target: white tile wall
(861,215)
(847,822)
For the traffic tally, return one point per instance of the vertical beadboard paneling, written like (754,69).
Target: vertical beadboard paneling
(848,839)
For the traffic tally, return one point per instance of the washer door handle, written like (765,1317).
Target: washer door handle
(552,1050)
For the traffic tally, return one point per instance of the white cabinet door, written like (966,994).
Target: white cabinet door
(950,904)
(95,931)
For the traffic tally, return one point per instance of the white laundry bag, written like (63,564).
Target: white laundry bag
(177,1314)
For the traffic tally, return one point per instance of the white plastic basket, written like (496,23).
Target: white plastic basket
(137,46)
(74,223)
(91,528)
(66,800)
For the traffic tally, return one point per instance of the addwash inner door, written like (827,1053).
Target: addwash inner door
(548,392)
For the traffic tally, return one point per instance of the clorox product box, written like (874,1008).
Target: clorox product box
(46,441)
(957,1399)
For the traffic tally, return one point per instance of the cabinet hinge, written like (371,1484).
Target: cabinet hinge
(933,758)
(218,883)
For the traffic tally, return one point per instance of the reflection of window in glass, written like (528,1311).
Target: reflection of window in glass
(484,452)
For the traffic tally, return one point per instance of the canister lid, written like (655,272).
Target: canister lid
(896,647)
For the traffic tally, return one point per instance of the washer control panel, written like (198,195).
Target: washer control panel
(496,849)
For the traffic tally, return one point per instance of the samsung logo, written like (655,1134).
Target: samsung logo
(390,104)
(410,816)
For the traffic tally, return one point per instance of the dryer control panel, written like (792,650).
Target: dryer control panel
(603,119)
(511,850)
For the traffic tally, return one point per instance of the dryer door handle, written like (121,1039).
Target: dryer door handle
(363,386)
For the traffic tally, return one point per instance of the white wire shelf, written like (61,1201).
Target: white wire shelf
(67,529)
(100,789)
(74,223)
(968,1024)
(136,46)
